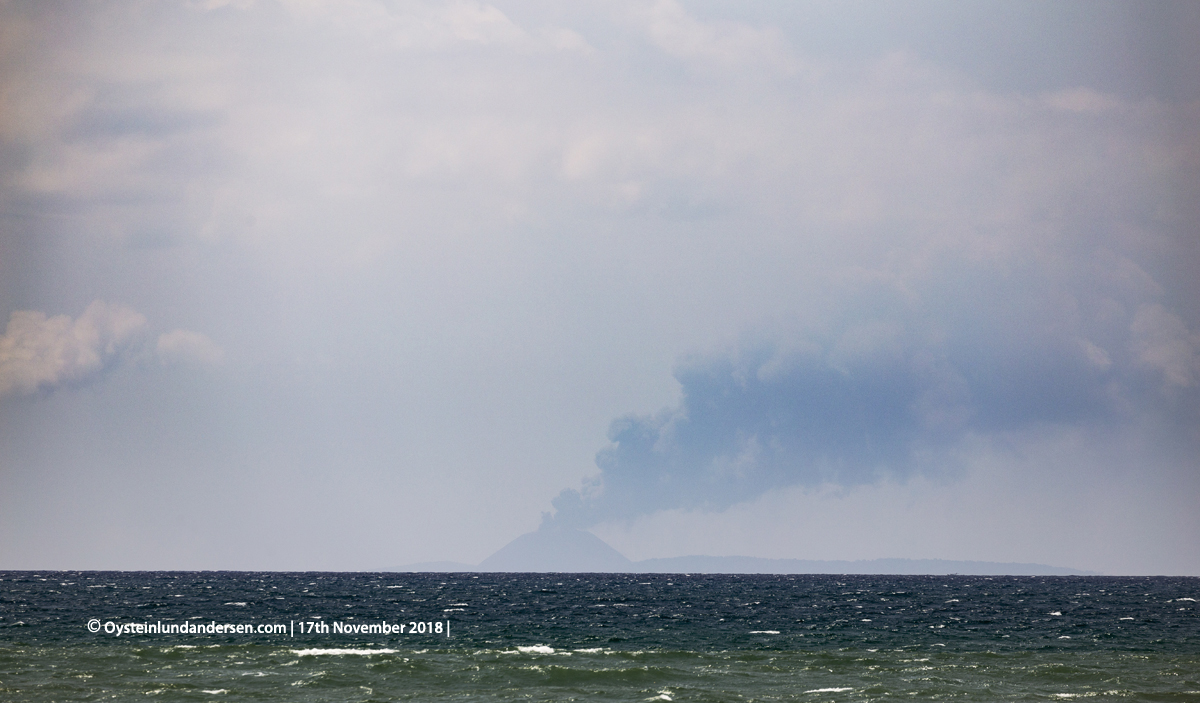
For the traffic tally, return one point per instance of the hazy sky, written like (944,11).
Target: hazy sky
(296,284)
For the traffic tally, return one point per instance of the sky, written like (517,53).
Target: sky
(309,285)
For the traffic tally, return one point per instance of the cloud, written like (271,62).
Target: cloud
(510,217)
(42,353)
(425,26)
(39,352)
(903,387)
(729,44)
(1163,342)
(187,347)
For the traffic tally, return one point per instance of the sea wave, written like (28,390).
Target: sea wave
(337,652)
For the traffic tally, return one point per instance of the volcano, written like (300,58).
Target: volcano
(557,549)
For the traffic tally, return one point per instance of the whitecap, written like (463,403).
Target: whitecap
(830,690)
(238,603)
(536,649)
(1057,612)
(215,690)
(764,632)
(1189,599)
(317,652)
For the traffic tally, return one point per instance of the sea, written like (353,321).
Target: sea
(242,636)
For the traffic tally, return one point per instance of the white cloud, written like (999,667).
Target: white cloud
(421,25)
(1163,342)
(728,44)
(210,5)
(41,352)
(1082,100)
(187,347)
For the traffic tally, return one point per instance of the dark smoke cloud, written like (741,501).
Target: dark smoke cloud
(893,396)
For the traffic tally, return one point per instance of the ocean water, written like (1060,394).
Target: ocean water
(224,636)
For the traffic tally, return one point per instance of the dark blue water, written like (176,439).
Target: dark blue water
(391,636)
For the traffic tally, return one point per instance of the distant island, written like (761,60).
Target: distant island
(561,550)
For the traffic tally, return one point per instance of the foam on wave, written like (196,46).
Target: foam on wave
(338,652)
